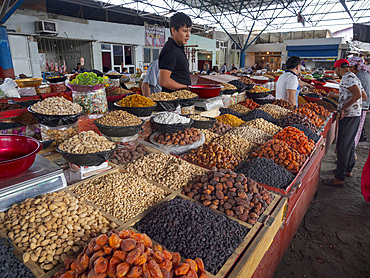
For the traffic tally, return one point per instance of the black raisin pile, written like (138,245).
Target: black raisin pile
(255,114)
(308,132)
(10,266)
(238,84)
(266,171)
(194,230)
(224,111)
(297,118)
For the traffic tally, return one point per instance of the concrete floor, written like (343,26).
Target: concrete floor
(333,240)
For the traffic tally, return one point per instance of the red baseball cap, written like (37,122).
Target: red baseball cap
(341,63)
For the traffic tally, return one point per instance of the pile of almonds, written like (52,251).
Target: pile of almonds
(51,227)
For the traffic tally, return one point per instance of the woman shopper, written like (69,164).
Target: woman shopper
(362,71)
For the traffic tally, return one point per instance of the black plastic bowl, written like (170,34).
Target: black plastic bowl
(204,124)
(162,128)
(168,105)
(258,95)
(228,92)
(88,159)
(55,120)
(52,79)
(119,131)
(137,111)
(188,101)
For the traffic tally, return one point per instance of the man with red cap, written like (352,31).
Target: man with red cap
(349,110)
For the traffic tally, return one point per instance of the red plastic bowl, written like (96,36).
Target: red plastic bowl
(206,91)
(17,154)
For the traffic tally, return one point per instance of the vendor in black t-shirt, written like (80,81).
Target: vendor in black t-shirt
(174,71)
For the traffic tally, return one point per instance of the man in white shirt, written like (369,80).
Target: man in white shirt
(288,84)
(151,80)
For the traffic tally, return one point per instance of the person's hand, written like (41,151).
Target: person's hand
(341,114)
(312,87)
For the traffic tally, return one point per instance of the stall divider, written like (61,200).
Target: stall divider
(253,254)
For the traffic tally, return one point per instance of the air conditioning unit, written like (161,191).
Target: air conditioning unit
(46,27)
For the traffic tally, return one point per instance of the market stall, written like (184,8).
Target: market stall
(251,168)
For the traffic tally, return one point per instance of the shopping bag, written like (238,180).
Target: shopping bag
(365,180)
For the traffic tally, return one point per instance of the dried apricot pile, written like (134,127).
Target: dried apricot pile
(250,104)
(296,139)
(315,119)
(317,108)
(129,254)
(281,154)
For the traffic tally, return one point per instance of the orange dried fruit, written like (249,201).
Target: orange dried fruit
(122,270)
(101,265)
(128,244)
(182,269)
(114,241)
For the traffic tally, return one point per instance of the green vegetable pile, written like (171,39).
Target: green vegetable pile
(87,78)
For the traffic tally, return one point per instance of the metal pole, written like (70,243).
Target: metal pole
(6,63)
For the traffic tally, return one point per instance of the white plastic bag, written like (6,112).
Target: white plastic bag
(9,88)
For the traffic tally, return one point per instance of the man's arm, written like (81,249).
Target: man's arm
(356,94)
(291,96)
(305,84)
(167,82)
(145,89)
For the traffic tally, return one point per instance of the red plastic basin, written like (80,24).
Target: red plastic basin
(17,154)
(206,90)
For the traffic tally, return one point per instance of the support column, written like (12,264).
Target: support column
(242,59)
(6,63)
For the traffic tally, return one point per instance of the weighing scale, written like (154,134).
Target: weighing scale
(209,104)
(42,177)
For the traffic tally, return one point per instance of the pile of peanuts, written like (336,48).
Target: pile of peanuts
(56,106)
(164,169)
(162,96)
(251,134)
(240,108)
(184,94)
(263,125)
(119,118)
(122,195)
(274,110)
(51,227)
(237,145)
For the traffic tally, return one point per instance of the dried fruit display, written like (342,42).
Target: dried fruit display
(283,103)
(297,118)
(119,118)
(231,193)
(183,137)
(301,100)
(281,154)
(311,115)
(195,231)
(251,134)
(52,226)
(164,169)
(10,265)
(263,125)
(266,171)
(129,254)
(184,94)
(318,109)
(230,120)
(124,155)
(240,108)
(227,86)
(122,195)
(136,101)
(308,132)
(213,155)
(236,144)
(220,128)
(162,96)
(320,92)
(250,104)
(296,139)
(274,110)
(258,89)
(259,114)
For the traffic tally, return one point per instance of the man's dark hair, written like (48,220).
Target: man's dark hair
(179,20)
(293,62)
(234,68)
(78,64)
(124,69)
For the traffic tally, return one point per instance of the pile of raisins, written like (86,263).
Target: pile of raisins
(194,230)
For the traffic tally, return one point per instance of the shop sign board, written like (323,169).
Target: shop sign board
(154,35)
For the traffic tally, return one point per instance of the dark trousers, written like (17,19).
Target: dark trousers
(348,127)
